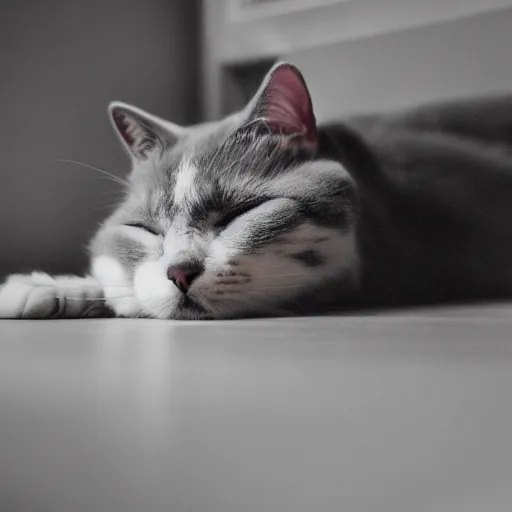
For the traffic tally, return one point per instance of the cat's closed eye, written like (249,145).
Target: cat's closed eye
(144,227)
(234,213)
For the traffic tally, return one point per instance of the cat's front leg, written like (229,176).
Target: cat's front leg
(39,295)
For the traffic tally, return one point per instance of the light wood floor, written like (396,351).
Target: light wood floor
(398,411)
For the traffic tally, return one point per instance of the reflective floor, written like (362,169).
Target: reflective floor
(407,411)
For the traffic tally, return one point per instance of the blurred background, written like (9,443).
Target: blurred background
(63,61)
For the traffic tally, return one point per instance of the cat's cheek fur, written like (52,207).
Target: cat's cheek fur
(237,284)
(117,286)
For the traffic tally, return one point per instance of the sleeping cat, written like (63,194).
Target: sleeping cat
(263,213)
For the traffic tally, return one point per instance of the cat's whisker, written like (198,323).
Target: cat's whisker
(101,299)
(115,178)
(61,285)
(277,276)
(278,287)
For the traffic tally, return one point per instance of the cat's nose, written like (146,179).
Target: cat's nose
(183,275)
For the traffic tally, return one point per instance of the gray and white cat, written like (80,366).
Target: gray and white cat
(264,213)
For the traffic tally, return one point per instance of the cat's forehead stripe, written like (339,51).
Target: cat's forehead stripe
(184,186)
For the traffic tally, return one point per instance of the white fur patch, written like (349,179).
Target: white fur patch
(220,254)
(117,287)
(109,271)
(43,279)
(151,283)
(180,244)
(184,187)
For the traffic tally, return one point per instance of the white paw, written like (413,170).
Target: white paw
(128,307)
(39,295)
(117,286)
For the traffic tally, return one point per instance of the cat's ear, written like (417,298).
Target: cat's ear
(284,104)
(141,133)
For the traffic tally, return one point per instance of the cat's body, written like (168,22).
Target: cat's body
(435,219)
(264,213)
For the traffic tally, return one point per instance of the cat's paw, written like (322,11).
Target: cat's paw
(39,295)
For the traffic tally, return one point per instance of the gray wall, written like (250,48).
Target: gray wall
(367,59)
(452,59)
(62,61)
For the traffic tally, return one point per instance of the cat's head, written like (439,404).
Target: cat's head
(236,218)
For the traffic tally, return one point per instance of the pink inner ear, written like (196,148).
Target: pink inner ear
(287,105)
(122,125)
(137,137)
